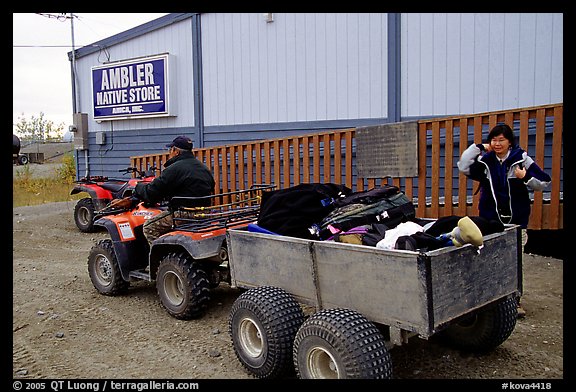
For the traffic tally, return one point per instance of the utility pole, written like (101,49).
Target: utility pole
(61,17)
(75,103)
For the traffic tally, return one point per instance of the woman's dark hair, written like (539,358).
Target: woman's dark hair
(504,130)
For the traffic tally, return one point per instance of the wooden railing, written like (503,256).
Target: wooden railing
(330,157)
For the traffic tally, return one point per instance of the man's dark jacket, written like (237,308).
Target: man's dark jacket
(183,175)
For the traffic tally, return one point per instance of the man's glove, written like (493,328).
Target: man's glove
(124,203)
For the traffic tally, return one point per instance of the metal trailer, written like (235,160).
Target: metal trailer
(17,157)
(365,301)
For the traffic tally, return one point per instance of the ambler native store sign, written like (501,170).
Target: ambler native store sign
(132,88)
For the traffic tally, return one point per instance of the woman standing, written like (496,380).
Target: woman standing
(505,172)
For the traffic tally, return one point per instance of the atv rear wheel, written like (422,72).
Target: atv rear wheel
(104,270)
(84,215)
(183,286)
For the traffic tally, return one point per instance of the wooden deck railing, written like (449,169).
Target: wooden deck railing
(329,157)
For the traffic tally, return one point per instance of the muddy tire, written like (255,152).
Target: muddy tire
(484,330)
(183,286)
(104,270)
(262,324)
(340,344)
(84,215)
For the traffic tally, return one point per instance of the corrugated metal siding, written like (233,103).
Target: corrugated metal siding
(175,39)
(301,67)
(107,159)
(470,63)
(307,73)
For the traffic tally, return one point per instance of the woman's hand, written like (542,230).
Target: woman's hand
(487,147)
(520,172)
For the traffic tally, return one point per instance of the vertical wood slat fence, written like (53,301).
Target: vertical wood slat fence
(329,157)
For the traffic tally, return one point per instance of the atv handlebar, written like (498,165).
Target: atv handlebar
(150,172)
(116,206)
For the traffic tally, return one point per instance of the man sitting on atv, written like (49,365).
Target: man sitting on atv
(183,175)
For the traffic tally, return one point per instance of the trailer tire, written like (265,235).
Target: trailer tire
(262,324)
(182,286)
(341,343)
(104,270)
(23,159)
(484,330)
(84,215)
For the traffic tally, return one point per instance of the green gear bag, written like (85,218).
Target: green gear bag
(390,210)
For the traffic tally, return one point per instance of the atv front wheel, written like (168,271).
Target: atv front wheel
(104,269)
(183,286)
(84,215)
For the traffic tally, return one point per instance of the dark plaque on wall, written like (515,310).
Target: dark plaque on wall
(387,150)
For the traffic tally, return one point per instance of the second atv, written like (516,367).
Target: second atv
(101,190)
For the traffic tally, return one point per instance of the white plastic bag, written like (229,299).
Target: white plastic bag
(391,235)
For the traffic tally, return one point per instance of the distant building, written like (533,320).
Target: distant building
(68,137)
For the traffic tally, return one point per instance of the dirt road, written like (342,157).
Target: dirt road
(63,329)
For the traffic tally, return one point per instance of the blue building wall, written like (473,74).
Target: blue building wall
(240,78)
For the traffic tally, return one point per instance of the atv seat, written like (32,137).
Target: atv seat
(113,186)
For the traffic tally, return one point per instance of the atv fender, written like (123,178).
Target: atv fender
(205,249)
(100,197)
(131,255)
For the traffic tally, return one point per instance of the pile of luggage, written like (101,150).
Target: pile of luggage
(383,217)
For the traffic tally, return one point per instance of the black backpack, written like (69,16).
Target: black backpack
(291,211)
(385,204)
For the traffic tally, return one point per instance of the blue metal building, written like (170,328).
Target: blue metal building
(233,77)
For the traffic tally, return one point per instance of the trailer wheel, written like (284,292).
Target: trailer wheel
(104,269)
(23,159)
(340,343)
(183,286)
(484,330)
(84,215)
(262,324)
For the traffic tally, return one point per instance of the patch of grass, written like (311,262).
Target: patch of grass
(28,191)
(40,191)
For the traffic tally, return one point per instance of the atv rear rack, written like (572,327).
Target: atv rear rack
(221,211)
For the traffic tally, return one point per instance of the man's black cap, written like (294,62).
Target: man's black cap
(182,142)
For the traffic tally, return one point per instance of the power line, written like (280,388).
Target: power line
(51,46)
(62,17)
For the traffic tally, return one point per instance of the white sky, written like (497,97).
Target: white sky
(41,70)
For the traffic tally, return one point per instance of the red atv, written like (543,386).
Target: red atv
(186,262)
(102,190)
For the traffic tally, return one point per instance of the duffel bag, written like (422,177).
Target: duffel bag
(385,204)
(291,211)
